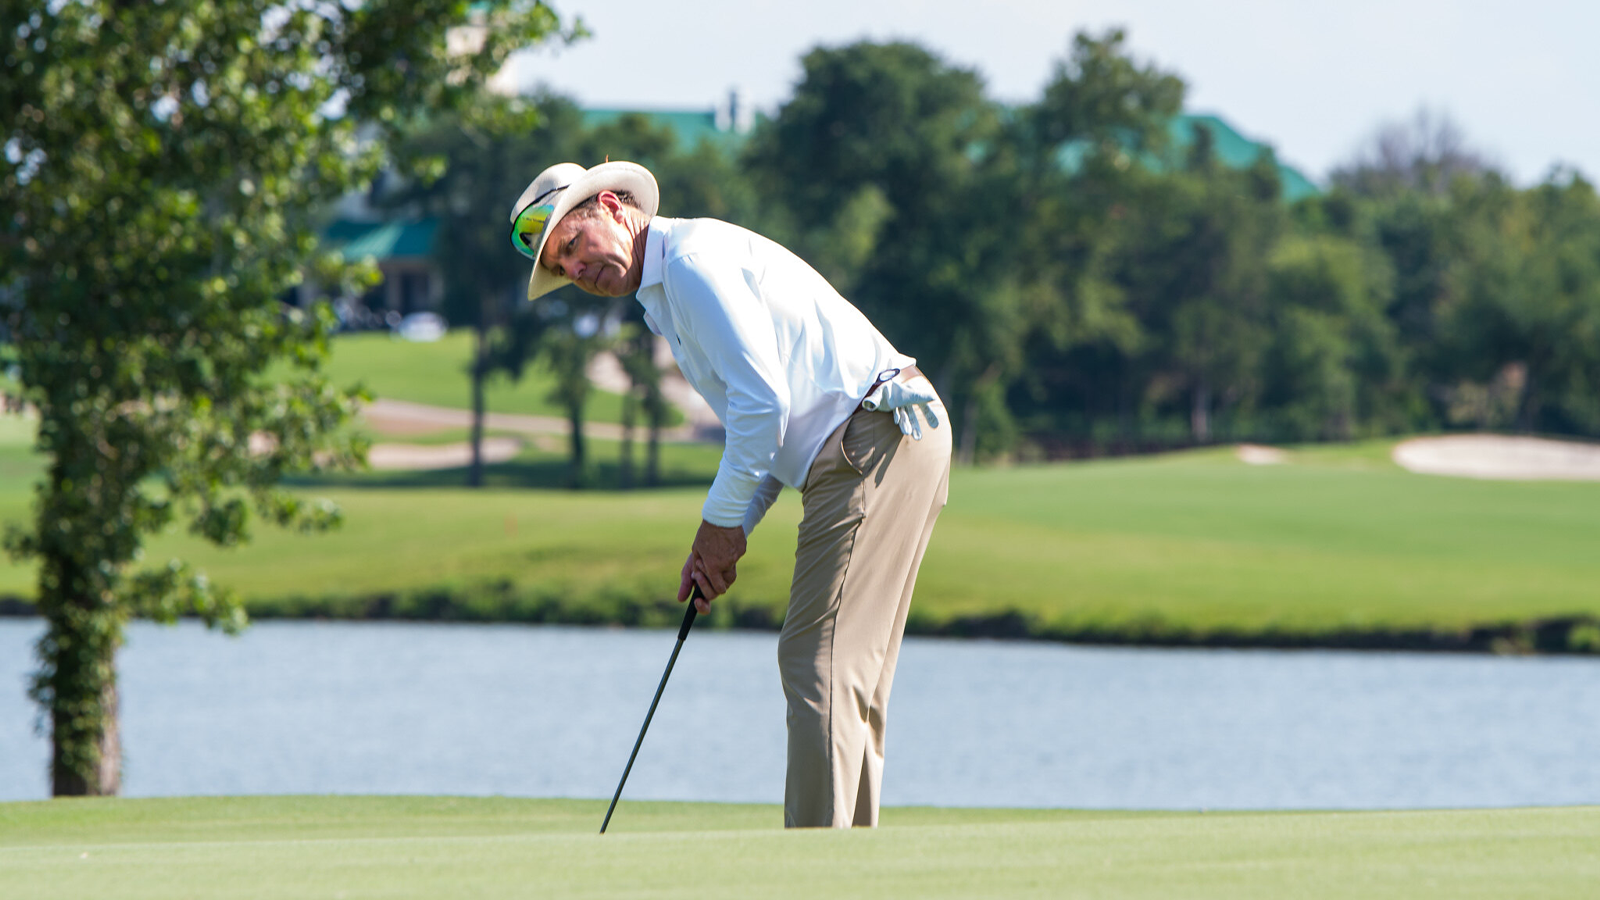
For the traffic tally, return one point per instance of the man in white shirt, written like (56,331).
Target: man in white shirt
(812,396)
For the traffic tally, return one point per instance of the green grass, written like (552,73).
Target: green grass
(425,847)
(435,373)
(1317,544)
(1195,542)
(1337,540)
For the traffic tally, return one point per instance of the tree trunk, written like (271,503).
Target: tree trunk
(78,685)
(652,454)
(1528,404)
(104,777)
(969,419)
(969,432)
(655,411)
(1200,412)
(480,365)
(630,405)
(576,468)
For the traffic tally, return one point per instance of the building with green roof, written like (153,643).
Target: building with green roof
(1237,151)
(402,248)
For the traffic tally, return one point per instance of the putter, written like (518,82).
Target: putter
(683,632)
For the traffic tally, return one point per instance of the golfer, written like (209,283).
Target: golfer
(811,397)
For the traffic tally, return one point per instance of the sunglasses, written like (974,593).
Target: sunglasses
(527,228)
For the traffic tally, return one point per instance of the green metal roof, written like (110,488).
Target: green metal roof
(1237,151)
(381,240)
(1232,148)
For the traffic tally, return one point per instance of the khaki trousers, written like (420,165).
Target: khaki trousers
(870,502)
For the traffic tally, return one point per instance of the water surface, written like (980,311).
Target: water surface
(317,707)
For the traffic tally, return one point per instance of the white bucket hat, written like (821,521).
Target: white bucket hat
(555,192)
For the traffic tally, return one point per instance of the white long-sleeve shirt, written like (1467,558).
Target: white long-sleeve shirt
(781,358)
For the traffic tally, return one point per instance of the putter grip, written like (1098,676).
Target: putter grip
(688,616)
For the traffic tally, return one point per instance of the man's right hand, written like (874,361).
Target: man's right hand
(711,563)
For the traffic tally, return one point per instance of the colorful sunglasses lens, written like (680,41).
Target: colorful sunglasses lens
(529,225)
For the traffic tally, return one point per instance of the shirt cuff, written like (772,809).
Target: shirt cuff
(729,498)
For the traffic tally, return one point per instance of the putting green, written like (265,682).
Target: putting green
(397,847)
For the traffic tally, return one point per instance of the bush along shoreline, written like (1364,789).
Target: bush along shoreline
(504,603)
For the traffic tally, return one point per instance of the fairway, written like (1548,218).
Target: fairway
(422,847)
(1194,543)
(1185,547)
(435,373)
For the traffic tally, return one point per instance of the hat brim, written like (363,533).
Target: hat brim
(611,176)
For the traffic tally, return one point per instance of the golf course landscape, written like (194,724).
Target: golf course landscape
(1195,408)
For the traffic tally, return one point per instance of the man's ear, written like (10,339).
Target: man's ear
(612,203)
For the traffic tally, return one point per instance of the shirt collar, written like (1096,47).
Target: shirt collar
(655,250)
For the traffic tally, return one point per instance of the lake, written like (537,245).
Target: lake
(391,708)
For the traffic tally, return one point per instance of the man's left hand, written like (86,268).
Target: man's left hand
(711,563)
(905,400)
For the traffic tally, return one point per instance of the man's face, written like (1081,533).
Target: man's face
(595,250)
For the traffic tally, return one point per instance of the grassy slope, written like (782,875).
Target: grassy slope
(1196,541)
(1339,538)
(435,373)
(1336,539)
(295,847)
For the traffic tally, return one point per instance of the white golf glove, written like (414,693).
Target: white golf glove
(904,400)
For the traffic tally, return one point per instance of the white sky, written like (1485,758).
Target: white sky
(1314,78)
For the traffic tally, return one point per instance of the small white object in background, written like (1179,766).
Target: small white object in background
(422,326)
(904,399)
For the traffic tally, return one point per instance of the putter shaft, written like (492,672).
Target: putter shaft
(683,632)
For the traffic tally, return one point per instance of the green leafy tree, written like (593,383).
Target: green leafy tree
(1416,197)
(1217,315)
(877,166)
(1332,355)
(1531,299)
(574,327)
(163,162)
(636,351)
(1084,191)
(465,169)
(1189,257)
(702,181)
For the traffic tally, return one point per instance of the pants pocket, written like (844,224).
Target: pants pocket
(863,442)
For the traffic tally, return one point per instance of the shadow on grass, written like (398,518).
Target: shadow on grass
(551,473)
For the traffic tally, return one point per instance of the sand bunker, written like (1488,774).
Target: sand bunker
(440,456)
(1498,457)
(1257,455)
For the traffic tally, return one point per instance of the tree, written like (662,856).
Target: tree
(1531,299)
(465,169)
(1086,195)
(1331,354)
(877,165)
(1425,154)
(636,350)
(574,327)
(163,162)
(699,182)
